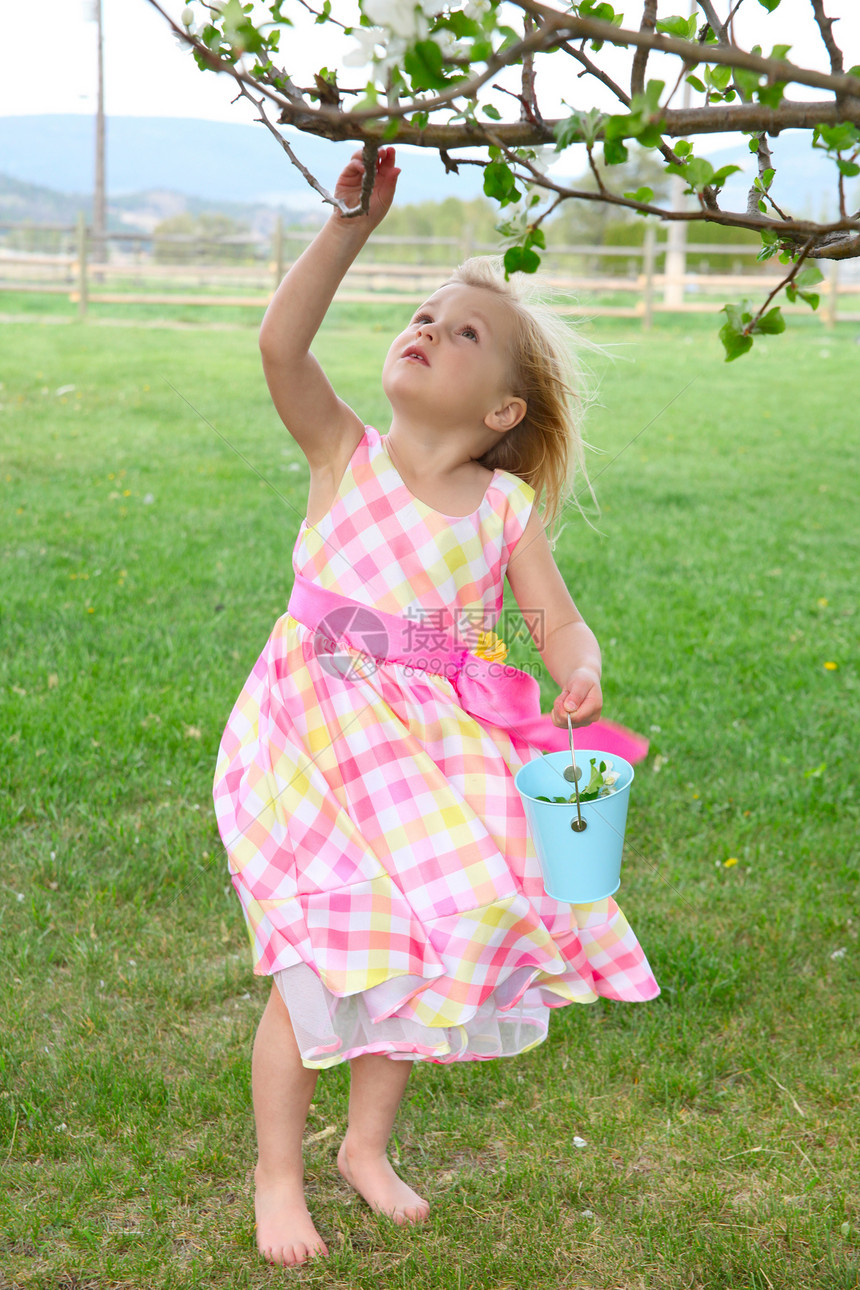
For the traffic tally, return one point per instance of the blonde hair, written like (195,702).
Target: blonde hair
(546,449)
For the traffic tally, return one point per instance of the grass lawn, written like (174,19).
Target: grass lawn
(143,564)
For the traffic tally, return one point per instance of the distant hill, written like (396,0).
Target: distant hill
(22,203)
(32,204)
(215,161)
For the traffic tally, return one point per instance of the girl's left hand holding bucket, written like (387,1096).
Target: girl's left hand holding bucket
(581,697)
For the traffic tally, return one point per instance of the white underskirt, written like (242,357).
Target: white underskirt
(330,1029)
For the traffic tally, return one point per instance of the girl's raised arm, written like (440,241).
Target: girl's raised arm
(316,418)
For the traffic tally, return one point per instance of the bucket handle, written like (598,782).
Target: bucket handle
(579,825)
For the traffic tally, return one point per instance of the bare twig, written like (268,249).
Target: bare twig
(720,29)
(755,195)
(327,197)
(327,18)
(528,101)
(371,152)
(640,58)
(593,70)
(825,26)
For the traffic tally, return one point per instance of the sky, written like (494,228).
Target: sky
(148,74)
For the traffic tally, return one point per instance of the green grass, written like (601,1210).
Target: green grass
(143,566)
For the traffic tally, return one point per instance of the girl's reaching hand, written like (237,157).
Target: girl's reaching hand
(581,697)
(348,188)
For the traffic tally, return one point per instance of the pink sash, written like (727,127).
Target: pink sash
(495,693)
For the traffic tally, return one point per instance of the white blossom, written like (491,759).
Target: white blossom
(409,22)
(368,38)
(448,43)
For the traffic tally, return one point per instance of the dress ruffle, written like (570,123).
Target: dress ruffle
(406,1017)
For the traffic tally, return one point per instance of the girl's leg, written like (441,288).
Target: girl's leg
(377,1085)
(282,1089)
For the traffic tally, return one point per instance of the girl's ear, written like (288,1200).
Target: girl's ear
(507,416)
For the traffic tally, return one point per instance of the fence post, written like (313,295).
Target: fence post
(649,255)
(833,294)
(82,265)
(278,264)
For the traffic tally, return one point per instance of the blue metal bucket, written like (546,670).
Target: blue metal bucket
(576,867)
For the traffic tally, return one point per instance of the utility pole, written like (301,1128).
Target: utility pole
(99,219)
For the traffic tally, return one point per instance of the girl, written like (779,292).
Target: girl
(364,786)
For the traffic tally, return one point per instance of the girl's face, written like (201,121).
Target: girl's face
(452,363)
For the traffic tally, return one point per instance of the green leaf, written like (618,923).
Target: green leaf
(683,28)
(697,171)
(771,323)
(696,84)
(718,76)
(641,195)
(746,81)
(614,152)
(391,130)
(460,24)
(682,148)
(767,177)
(734,342)
(423,65)
(521,259)
(771,95)
(618,127)
(499,183)
(599,9)
(719,177)
(650,137)
(653,90)
(812,298)
(836,138)
(809,276)
(738,315)
(849,168)
(492,112)
(770,5)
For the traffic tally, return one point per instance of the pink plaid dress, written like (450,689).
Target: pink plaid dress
(375,836)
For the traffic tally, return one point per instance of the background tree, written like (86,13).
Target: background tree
(434,68)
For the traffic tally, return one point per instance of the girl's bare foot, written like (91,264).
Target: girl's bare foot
(373,1178)
(285,1231)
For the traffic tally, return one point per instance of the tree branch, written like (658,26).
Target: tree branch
(825,26)
(755,195)
(640,58)
(776,69)
(720,29)
(549,30)
(749,118)
(789,277)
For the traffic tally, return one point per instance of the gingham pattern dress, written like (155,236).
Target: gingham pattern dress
(374,833)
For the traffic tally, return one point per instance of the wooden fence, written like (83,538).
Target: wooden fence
(621,281)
